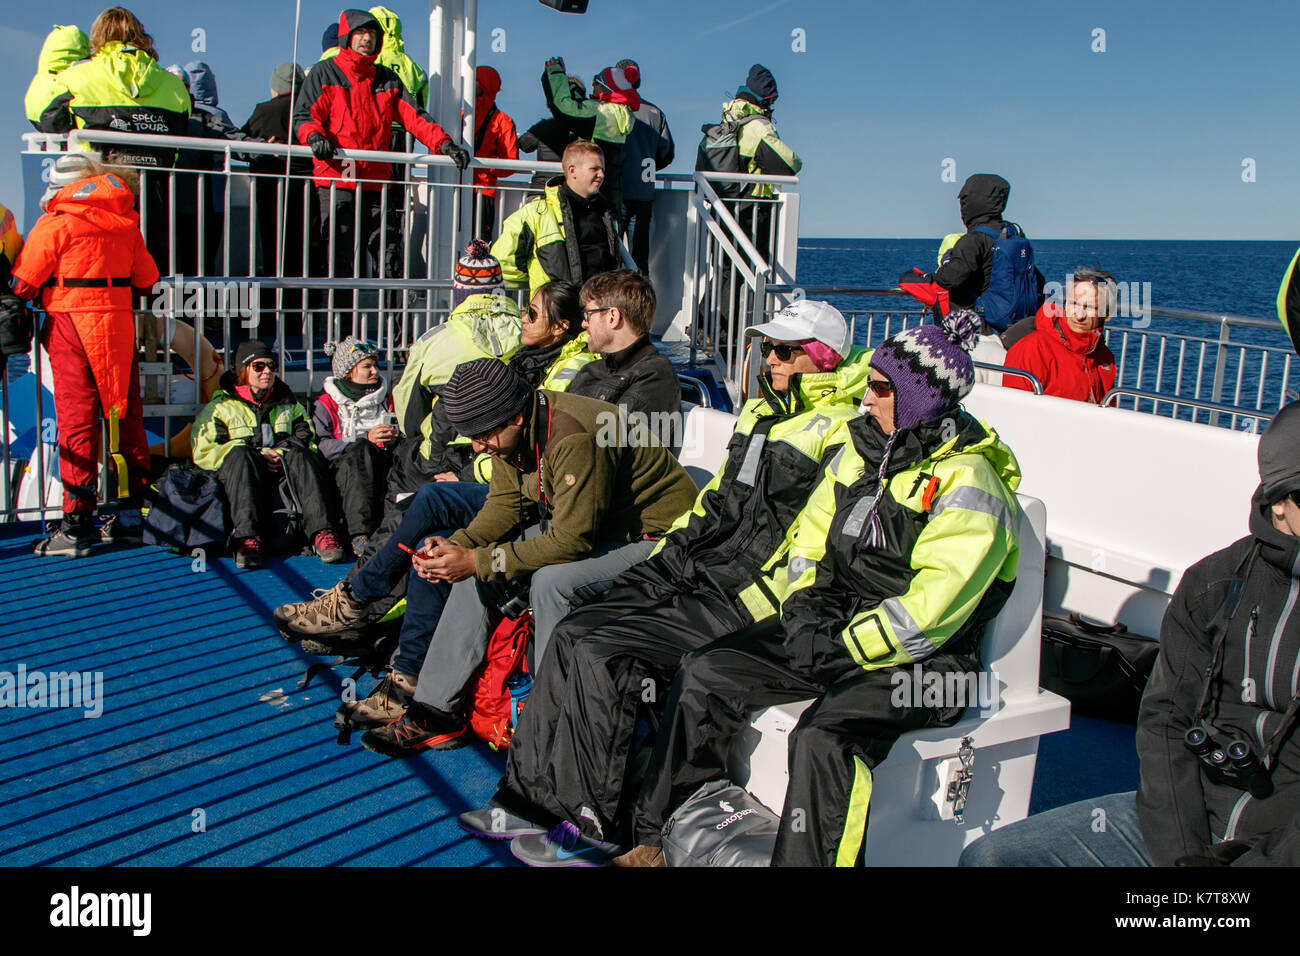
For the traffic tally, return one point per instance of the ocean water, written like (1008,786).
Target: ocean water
(1237,278)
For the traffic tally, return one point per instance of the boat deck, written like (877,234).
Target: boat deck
(207,752)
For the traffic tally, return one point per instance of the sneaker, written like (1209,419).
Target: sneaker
(420,728)
(249,553)
(327,547)
(385,704)
(330,613)
(359,542)
(493,823)
(124,527)
(63,544)
(643,855)
(563,845)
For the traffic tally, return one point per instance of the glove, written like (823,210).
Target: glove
(458,156)
(555,61)
(321,148)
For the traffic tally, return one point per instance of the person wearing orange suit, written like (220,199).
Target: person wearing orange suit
(86,261)
(495,138)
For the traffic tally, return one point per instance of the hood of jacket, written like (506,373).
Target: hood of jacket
(926,442)
(132,70)
(847,382)
(376,399)
(202,84)
(103,200)
(491,321)
(350,20)
(63,47)
(1050,320)
(736,110)
(983,198)
(1276,547)
(485,97)
(390,24)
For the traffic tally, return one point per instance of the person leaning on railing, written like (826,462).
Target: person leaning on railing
(252,434)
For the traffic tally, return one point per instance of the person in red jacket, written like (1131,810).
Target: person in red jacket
(351,102)
(83,259)
(495,138)
(1066,350)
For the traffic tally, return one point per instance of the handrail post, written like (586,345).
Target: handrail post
(1220,368)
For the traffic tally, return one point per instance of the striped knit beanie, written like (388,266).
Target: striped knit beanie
(348,354)
(483,394)
(930,368)
(476,271)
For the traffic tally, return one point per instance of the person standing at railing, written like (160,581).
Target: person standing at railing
(548,138)
(606,118)
(649,144)
(1067,350)
(63,47)
(83,259)
(494,138)
(351,102)
(280,201)
(122,88)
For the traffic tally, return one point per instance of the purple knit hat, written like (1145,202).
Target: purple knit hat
(930,367)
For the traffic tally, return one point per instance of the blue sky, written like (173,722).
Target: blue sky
(1144,140)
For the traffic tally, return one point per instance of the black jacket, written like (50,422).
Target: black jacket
(547,138)
(640,378)
(1182,810)
(650,139)
(965,275)
(270,120)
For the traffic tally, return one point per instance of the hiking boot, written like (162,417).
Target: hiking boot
(124,527)
(359,542)
(493,823)
(331,613)
(563,845)
(249,553)
(420,728)
(327,547)
(643,855)
(385,704)
(72,539)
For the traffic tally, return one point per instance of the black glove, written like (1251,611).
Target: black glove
(458,156)
(555,61)
(15,326)
(321,148)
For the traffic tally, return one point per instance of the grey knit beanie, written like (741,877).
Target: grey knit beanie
(348,354)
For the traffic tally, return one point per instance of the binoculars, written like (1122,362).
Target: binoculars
(1236,765)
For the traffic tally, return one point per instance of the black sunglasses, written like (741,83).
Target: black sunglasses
(783,351)
(262,366)
(882,388)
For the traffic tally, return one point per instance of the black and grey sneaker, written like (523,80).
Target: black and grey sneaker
(71,539)
(420,728)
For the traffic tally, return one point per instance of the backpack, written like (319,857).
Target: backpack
(185,512)
(719,152)
(1015,285)
(720,825)
(1100,668)
(497,691)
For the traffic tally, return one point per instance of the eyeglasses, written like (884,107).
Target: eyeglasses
(882,388)
(263,366)
(603,308)
(783,351)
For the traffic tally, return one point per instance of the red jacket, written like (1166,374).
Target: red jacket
(496,137)
(1069,365)
(353,103)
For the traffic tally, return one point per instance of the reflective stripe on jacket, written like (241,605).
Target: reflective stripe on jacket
(538,245)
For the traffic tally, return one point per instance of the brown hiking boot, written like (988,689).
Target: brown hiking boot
(387,702)
(333,613)
(643,855)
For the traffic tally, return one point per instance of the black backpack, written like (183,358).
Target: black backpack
(186,511)
(1100,668)
(719,152)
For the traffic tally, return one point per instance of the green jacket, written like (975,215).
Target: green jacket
(606,124)
(764,151)
(392,54)
(63,47)
(120,88)
(538,242)
(947,562)
(228,420)
(739,530)
(595,491)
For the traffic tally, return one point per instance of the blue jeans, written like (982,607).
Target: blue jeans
(1102,831)
(439,508)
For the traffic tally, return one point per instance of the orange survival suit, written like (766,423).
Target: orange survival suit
(83,258)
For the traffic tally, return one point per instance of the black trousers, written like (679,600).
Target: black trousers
(375,231)
(636,223)
(361,474)
(838,741)
(608,663)
(251,492)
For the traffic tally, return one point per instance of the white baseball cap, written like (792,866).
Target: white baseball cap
(806,319)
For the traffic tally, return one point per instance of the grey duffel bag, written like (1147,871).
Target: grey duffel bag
(720,825)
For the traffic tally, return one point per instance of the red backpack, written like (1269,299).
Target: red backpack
(502,682)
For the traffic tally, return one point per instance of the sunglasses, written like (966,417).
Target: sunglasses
(262,366)
(783,351)
(532,315)
(881,388)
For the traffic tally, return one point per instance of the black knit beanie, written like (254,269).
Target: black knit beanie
(482,395)
(1279,455)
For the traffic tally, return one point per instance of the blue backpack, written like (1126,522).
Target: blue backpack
(1015,284)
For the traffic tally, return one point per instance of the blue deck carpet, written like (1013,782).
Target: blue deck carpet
(203,723)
